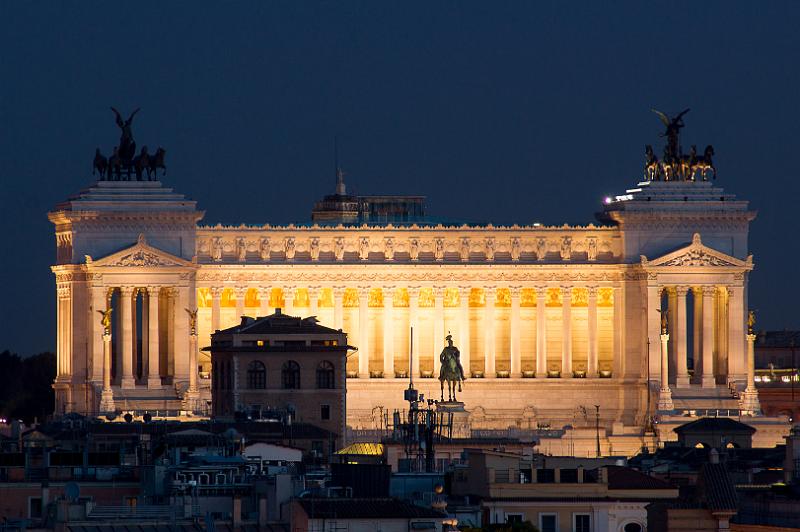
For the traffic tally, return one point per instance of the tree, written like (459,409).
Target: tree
(26,386)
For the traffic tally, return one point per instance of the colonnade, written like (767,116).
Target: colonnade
(717,318)
(154,333)
(555,331)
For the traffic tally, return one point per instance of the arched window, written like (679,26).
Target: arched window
(290,375)
(632,527)
(256,375)
(325,376)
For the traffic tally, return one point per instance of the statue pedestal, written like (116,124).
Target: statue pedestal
(460,418)
(107,401)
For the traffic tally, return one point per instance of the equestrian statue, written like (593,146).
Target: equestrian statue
(451,371)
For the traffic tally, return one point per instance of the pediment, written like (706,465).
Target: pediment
(697,254)
(140,255)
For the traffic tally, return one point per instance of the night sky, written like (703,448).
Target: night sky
(497,111)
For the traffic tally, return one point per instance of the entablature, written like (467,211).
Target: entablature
(410,244)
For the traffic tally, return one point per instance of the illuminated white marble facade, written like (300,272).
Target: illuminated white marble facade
(548,319)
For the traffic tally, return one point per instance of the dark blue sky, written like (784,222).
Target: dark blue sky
(513,111)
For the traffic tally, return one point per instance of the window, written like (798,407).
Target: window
(513,518)
(632,527)
(548,522)
(290,375)
(325,374)
(256,375)
(35,507)
(325,412)
(581,523)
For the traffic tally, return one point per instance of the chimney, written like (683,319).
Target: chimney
(278,311)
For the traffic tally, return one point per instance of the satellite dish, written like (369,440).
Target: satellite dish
(72,491)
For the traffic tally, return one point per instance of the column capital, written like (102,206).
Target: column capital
(566,293)
(313,290)
(338,291)
(681,290)
(515,291)
(388,291)
(708,290)
(126,291)
(413,291)
(215,291)
(591,291)
(264,291)
(541,292)
(153,288)
(438,291)
(239,291)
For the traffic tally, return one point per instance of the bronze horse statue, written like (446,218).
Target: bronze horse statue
(451,370)
(156,162)
(100,164)
(651,167)
(702,164)
(141,163)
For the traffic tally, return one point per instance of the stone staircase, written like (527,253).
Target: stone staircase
(695,398)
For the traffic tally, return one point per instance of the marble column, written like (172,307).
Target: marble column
(192,393)
(490,296)
(153,375)
(313,301)
(464,329)
(618,309)
(239,292)
(541,332)
(665,394)
(438,327)
(750,402)
(566,329)
(697,332)
(736,318)
(288,300)
(592,336)
(126,311)
(682,379)
(514,329)
(388,332)
(708,380)
(107,395)
(180,320)
(413,321)
(99,302)
(338,307)
(363,332)
(653,329)
(264,294)
(216,296)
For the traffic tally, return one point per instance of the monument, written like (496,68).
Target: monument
(548,320)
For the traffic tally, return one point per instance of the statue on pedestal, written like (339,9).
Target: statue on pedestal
(451,370)
(105,321)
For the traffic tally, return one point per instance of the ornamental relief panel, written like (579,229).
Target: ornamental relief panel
(439,244)
(389,276)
